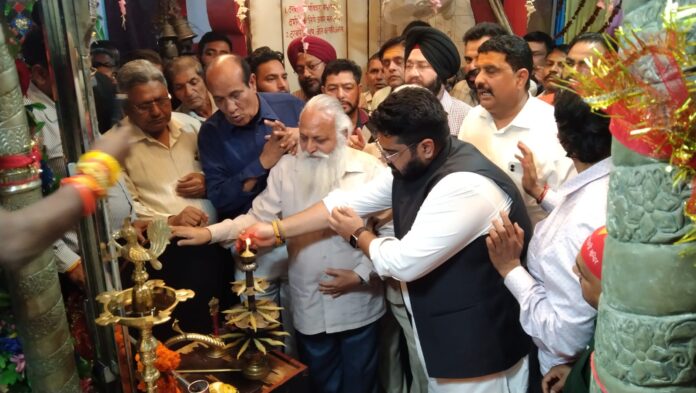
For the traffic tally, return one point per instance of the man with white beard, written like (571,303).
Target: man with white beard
(337,298)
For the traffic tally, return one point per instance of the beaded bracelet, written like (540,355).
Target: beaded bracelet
(87,195)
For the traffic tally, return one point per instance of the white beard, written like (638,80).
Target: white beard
(319,173)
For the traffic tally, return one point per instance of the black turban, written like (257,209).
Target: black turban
(437,48)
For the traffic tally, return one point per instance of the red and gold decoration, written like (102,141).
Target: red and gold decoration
(657,116)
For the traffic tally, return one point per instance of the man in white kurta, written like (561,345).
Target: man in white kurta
(337,298)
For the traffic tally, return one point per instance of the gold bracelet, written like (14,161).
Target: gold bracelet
(276,231)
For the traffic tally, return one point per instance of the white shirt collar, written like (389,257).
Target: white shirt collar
(596,171)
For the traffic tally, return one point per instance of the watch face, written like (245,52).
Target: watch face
(353,241)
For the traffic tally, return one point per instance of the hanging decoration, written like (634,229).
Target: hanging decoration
(242,10)
(122,7)
(529,5)
(654,117)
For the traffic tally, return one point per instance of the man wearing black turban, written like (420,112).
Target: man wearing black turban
(431,59)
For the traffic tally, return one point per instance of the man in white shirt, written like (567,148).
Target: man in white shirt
(336,301)
(509,119)
(431,59)
(442,192)
(163,175)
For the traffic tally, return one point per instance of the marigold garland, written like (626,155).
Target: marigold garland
(166,361)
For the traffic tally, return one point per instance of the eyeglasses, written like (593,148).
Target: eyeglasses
(419,66)
(310,66)
(146,107)
(392,156)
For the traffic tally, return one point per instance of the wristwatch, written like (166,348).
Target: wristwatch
(354,237)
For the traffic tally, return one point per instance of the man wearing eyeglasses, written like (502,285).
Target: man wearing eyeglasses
(431,59)
(444,194)
(164,177)
(308,56)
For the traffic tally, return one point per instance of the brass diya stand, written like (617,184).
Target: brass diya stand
(253,324)
(148,302)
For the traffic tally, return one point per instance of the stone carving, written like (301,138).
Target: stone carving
(645,350)
(645,206)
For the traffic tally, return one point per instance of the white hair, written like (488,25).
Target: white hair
(328,104)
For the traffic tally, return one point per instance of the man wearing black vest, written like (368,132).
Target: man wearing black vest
(444,194)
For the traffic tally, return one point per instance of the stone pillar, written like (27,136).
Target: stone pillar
(36,298)
(646,325)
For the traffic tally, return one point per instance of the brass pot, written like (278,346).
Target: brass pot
(255,365)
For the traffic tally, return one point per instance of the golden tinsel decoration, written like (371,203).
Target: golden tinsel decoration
(648,87)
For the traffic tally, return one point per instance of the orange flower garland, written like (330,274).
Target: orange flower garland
(166,360)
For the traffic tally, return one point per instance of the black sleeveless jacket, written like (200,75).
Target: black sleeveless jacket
(467,320)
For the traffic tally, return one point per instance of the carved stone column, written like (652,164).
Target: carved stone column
(36,298)
(646,325)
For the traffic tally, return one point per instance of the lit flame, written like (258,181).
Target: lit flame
(248,243)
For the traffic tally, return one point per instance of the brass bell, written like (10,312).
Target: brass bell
(168,30)
(183,30)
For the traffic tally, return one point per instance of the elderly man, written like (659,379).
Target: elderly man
(509,121)
(239,145)
(336,299)
(586,46)
(308,56)
(431,59)
(164,177)
(235,152)
(185,75)
(268,69)
(373,81)
(444,194)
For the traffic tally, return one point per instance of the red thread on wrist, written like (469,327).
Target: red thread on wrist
(543,194)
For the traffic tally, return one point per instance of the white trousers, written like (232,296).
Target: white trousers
(512,380)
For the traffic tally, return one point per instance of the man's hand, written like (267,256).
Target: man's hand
(189,217)
(505,242)
(344,280)
(191,236)
(291,140)
(356,140)
(530,181)
(116,143)
(261,235)
(191,186)
(344,221)
(555,379)
(280,141)
(141,228)
(77,275)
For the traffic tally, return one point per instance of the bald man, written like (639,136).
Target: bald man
(239,144)
(234,152)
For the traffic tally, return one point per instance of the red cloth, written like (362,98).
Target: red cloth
(317,47)
(592,251)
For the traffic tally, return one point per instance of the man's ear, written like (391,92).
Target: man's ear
(426,149)
(323,90)
(252,81)
(522,76)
